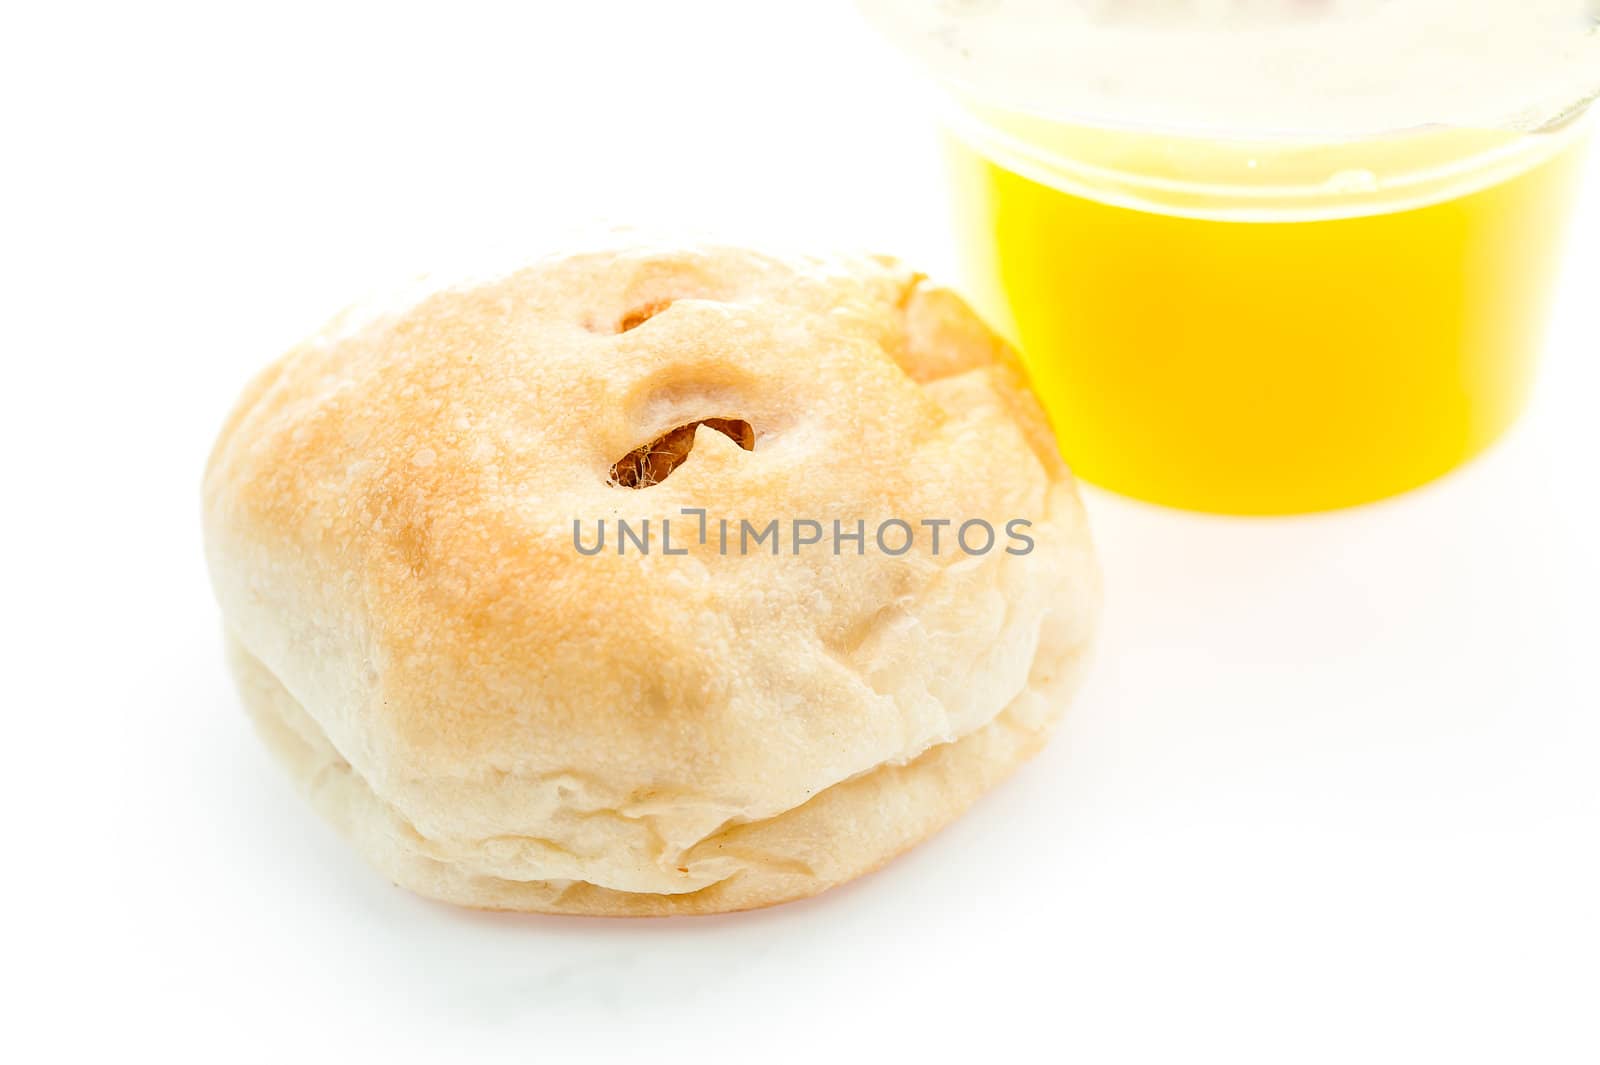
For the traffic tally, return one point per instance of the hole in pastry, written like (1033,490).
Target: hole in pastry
(651,463)
(641,314)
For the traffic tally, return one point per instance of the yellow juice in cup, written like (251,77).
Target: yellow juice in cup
(1265,326)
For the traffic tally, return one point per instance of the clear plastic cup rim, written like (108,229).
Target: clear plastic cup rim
(1350,191)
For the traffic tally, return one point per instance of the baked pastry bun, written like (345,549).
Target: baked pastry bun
(402,519)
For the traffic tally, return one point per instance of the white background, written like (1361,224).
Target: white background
(1333,793)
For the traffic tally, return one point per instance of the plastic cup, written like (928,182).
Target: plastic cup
(1267,325)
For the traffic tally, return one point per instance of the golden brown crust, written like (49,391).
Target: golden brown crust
(389,520)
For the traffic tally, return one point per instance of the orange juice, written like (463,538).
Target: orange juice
(1263,327)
